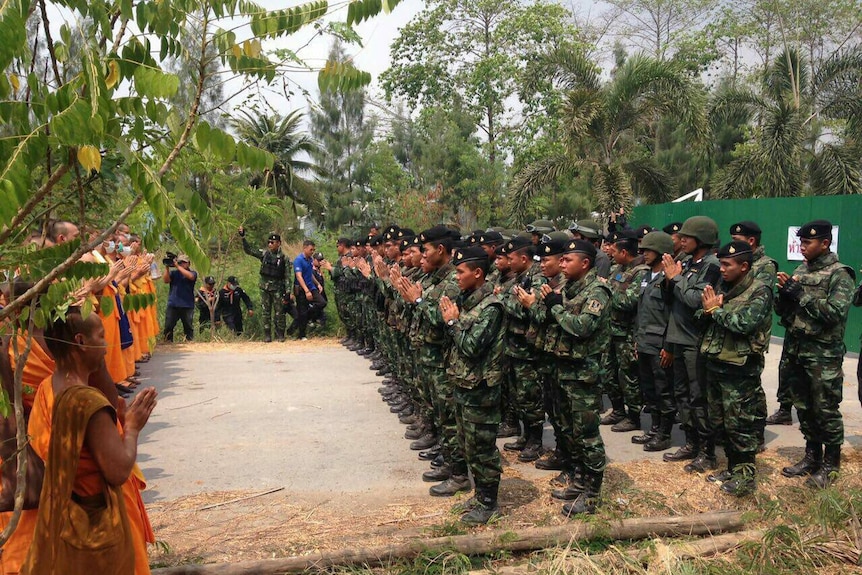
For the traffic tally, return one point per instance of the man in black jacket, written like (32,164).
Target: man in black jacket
(229,309)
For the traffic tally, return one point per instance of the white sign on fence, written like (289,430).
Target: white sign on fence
(793,246)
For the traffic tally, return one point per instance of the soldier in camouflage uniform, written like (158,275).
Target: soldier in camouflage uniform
(579,315)
(655,360)
(672,229)
(813,305)
(273,283)
(521,369)
(540,336)
(436,256)
(475,366)
(489,241)
(739,315)
(339,281)
(686,280)
(504,281)
(625,280)
(765,269)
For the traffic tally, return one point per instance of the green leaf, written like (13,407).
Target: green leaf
(155,83)
(106,305)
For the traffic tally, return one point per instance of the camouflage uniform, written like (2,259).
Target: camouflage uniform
(582,333)
(813,353)
(521,369)
(431,362)
(624,390)
(734,342)
(273,288)
(476,367)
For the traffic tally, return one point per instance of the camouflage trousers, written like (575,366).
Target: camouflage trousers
(525,385)
(442,397)
(478,415)
(581,404)
(551,392)
(816,384)
(271,304)
(736,398)
(622,374)
(690,392)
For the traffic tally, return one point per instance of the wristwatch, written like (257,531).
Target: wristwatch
(451,322)
(418,300)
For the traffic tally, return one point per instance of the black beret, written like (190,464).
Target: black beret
(408,241)
(391,233)
(489,238)
(625,236)
(734,249)
(672,228)
(581,247)
(405,232)
(274,237)
(458,243)
(642,231)
(435,234)
(344,242)
(500,250)
(552,246)
(359,243)
(375,240)
(818,229)
(518,243)
(469,254)
(746,228)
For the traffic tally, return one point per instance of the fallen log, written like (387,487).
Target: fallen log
(661,554)
(478,544)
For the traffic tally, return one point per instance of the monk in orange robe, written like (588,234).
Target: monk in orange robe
(94,469)
(39,365)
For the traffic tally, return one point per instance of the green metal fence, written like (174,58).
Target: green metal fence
(775,216)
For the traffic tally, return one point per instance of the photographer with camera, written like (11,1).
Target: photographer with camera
(273,283)
(181,300)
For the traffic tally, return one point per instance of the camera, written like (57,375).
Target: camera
(168,261)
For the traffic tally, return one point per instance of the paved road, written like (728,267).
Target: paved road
(309,418)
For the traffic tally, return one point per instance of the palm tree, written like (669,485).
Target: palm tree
(283,137)
(605,127)
(806,130)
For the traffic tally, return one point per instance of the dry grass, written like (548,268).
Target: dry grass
(281,524)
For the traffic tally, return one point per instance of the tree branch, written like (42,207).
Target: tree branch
(33,201)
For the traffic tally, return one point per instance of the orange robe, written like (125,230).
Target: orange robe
(89,479)
(153,328)
(38,367)
(114,358)
(15,549)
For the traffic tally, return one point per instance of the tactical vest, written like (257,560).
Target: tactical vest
(624,320)
(764,268)
(725,346)
(469,372)
(575,297)
(437,284)
(816,285)
(272,266)
(538,332)
(517,329)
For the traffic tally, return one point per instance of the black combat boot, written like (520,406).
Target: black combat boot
(509,426)
(432,453)
(588,500)
(383,371)
(687,451)
(451,486)
(517,445)
(781,417)
(617,414)
(418,431)
(550,463)
(704,461)
(632,422)
(644,438)
(574,484)
(533,448)
(661,440)
(485,507)
(743,480)
(441,473)
(828,472)
(424,442)
(809,463)
(409,418)
(726,473)
(438,461)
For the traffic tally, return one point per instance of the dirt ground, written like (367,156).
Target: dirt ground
(304,422)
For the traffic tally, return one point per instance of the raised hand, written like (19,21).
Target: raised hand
(525,298)
(448,309)
(710,299)
(672,268)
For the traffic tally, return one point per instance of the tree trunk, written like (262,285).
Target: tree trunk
(478,544)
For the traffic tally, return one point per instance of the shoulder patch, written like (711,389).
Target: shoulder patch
(595,307)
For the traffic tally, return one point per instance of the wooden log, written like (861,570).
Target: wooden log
(676,552)
(478,544)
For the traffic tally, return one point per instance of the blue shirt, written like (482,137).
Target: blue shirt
(182,290)
(303,266)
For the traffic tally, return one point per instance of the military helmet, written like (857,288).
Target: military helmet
(703,228)
(659,242)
